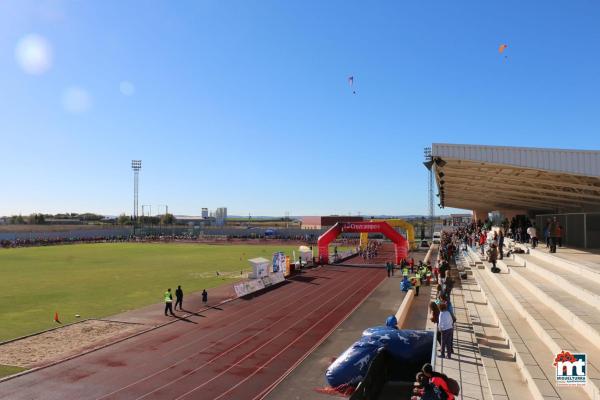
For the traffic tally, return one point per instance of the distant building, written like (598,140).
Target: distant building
(204,212)
(461,219)
(319,222)
(221,215)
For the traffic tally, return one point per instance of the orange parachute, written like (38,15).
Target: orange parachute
(501,48)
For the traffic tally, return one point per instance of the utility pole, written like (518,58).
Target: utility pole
(429,164)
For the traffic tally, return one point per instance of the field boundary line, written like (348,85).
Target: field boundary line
(44,331)
(92,350)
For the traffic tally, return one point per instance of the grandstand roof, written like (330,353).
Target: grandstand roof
(516,178)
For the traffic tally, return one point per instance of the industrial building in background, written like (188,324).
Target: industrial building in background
(220,216)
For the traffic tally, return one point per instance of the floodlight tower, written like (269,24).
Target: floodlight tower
(429,165)
(136,165)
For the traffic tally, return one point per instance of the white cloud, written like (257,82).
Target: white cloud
(127,88)
(76,100)
(34,54)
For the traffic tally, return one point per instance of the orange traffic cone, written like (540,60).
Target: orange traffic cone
(56,317)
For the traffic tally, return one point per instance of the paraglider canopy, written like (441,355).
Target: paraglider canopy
(351,83)
(502,47)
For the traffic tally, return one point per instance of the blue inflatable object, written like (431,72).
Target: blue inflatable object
(408,350)
(391,322)
(405,284)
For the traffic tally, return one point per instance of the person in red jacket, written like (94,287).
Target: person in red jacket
(441,381)
(482,239)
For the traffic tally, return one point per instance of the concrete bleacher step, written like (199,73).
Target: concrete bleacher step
(503,374)
(558,323)
(466,365)
(572,280)
(534,358)
(553,328)
(566,304)
(587,271)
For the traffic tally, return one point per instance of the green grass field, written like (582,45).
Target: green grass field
(98,280)
(6,370)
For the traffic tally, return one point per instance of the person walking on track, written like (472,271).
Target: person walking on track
(169,302)
(179,297)
(204,296)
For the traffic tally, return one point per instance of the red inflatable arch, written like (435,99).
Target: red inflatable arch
(400,243)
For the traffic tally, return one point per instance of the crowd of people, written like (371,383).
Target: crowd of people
(52,241)
(523,230)
(423,274)
(243,235)
(32,242)
(370,251)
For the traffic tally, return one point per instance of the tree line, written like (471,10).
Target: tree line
(42,219)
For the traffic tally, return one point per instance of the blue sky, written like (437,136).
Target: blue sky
(246,104)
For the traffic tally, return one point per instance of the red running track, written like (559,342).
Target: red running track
(237,351)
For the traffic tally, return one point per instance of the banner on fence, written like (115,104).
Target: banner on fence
(247,287)
(287,266)
(278,261)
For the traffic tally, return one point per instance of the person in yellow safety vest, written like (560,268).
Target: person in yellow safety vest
(169,302)
(417,283)
(404,271)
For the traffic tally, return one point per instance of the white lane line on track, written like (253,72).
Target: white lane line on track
(268,390)
(338,284)
(292,295)
(294,341)
(315,300)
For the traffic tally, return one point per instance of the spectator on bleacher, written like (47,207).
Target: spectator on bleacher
(547,233)
(428,389)
(532,232)
(449,386)
(482,240)
(435,318)
(554,232)
(501,245)
(446,327)
(492,254)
